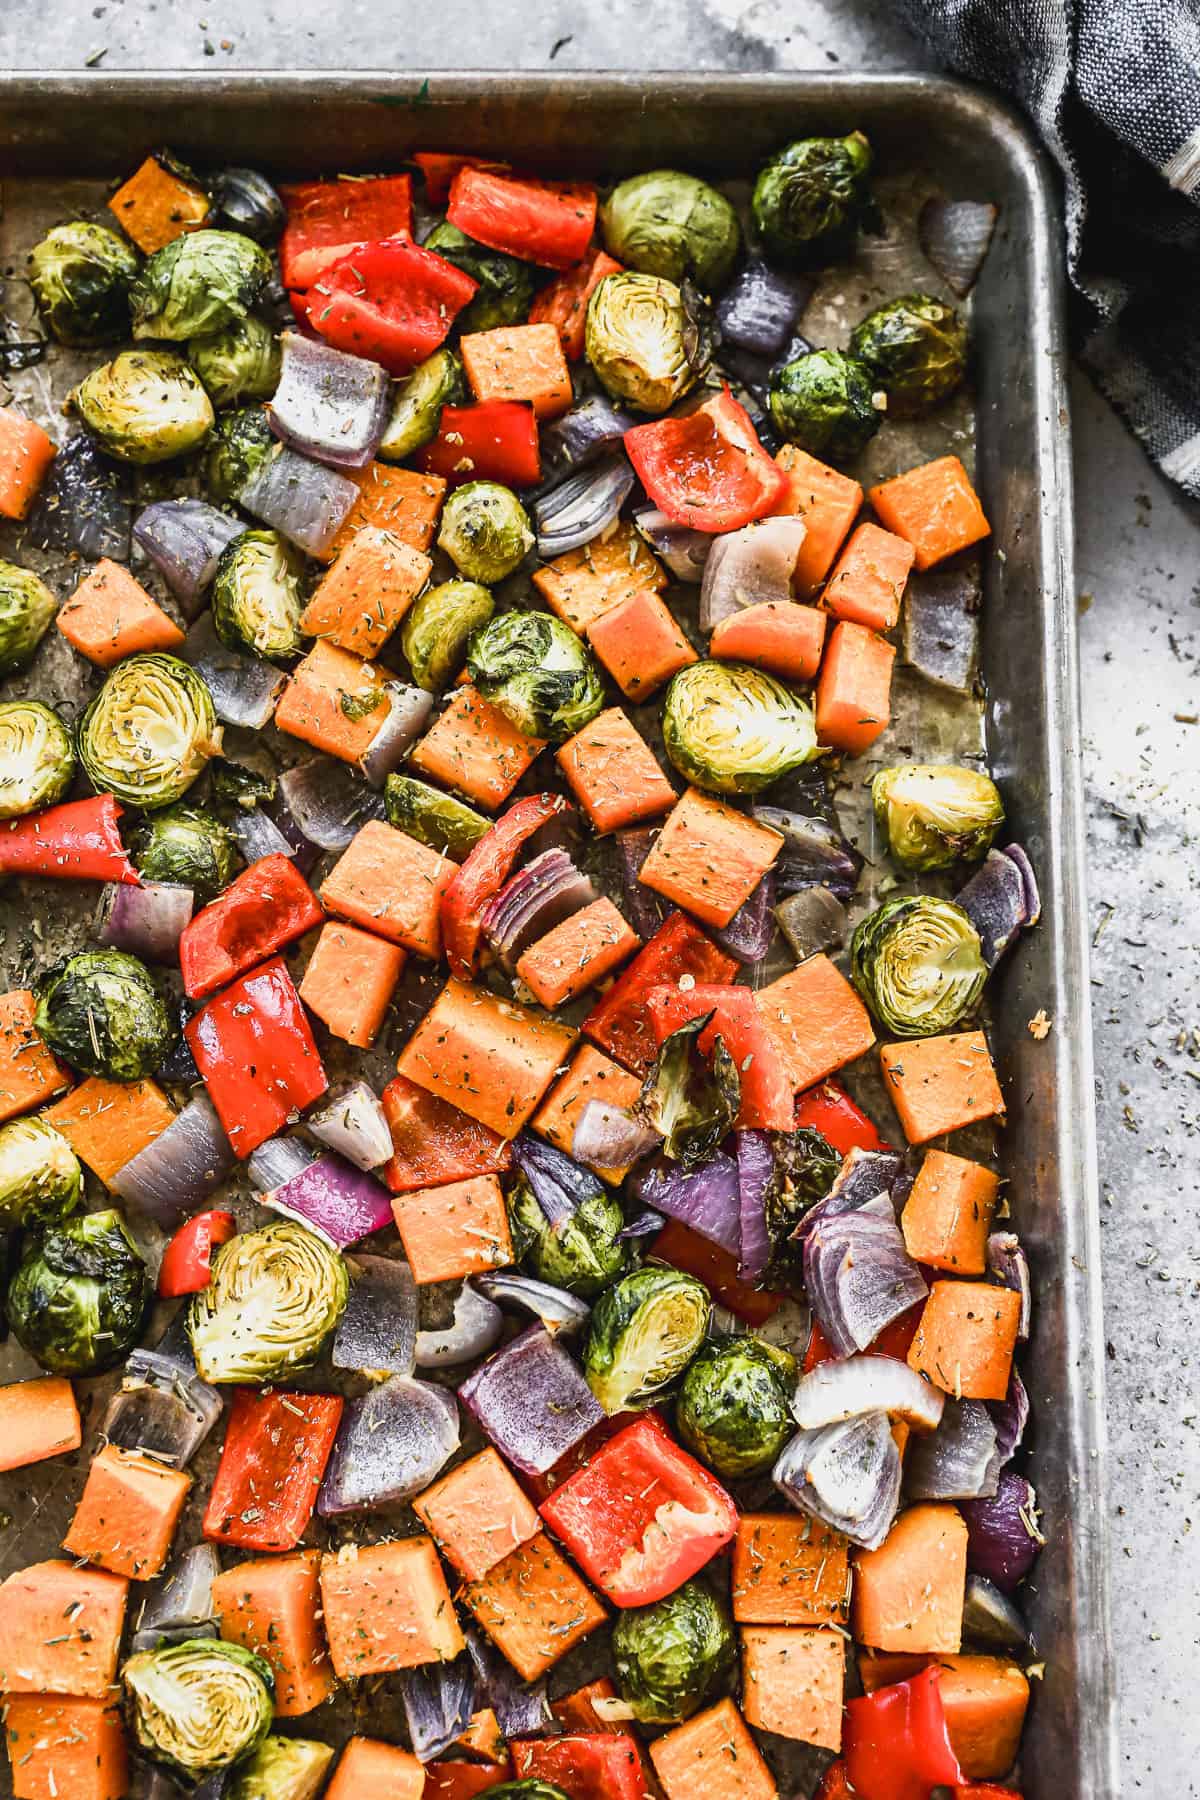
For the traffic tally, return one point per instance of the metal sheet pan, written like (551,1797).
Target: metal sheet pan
(61,129)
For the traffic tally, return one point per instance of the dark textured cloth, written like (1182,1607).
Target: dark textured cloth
(1113,87)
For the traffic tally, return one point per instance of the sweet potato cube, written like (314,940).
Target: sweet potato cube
(817,1019)
(789,1570)
(966,1337)
(908,1594)
(519,362)
(853,701)
(334,701)
(272,1605)
(577,953)
(828,502)
(365,594)
(489,1057)
(712,1757)
(640,644)
(474,749)
(388,883)
(477,1514)
(583,584)
(373,1770)
(349,982)
(984,1699)
(111,616)
(869,578)
(106,1123)
(155,206)
(62,1748)
(614,774)
(533,1606)
(948,1213)
(591,1076)
(709,858)
(29,1073)
(127,1513)
(25,455)
(934,508)
(38,1419)
(403,502)
(778,635)
(387,1607)
(456,1230)
(60,1630)
(792,1681)
(939,1084)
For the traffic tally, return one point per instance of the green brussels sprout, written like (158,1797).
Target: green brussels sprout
(917,962)
(233,784)
(36,757)
(689,1098)
(145,406)
(806,1167)
(674,225)
(417,406)
(149,732)
(811,198)
(80,274)
(915,349)
(439,820)
(188,847)
(734,1405)
(199,1706)
(674,1656)
(641,341)
(528,1788)
(80,1294)
(26,609)
(505,284)
(540,675)
(936,814)
(197,284)
(40,1177)
(583,1254)
(436,628)
(824,402)
(282,1768)
(733,729)
(485,530)
(100,1010)
(643,1333)
(241,442)
(256,603)
(239,363)
(274,1297)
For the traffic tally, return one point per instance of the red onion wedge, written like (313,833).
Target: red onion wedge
(941,625)
(182,1594)
(1010,1417)
(755,1174)
(858,1275)
(644,909)
(684,551)
(553,1307)
(955,236)
(83,505)
(350,1120)
(531,1400)
(328,404)
(277,1160)
(146,920)
(609,1137)
(990,1618)
(557,1182)
(408,714)
(522,1708)
(244,688)
(334,1199)
(581,436)
(539,896)
(747,937)
(581,508)
(834,1391)
(179,1171)
(439,1699)
(960,1460)
(389,1446)
(328,802)
(162,1406)
(184,540)
(473,1331)
(303,499)
(377,1332)
(1003,1535)
(707,1199)
(258,835)
(1009,1264)
(759,309)
(814,854)
(750,566)
(1001,900)
(847,1475)
(811,921)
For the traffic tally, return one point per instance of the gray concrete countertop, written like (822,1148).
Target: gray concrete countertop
(1139,582)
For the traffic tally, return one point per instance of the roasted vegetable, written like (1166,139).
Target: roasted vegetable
(505,285)
(198,284)
(824,402)
(733,1407)
(691,1099)
(273,1299)
(149,732)
(916,351)
(199,1706)
(79,1296)
(674,225)
(282,1768)
(240,362)
(188,847)
(641,341)
(418,402)
(672,1657)
(243,200)
(36,758)
(916,961)
(811,198)
(436,628)
(241,442)
(538,672)
(26,609)
(40,1177)
(145,406)
(256,601)
(80,274)
(806,1167)
(936,814)
(644,1332)
(485,530)
(583,1254)
(733,729)
(439,820)
(101,1012)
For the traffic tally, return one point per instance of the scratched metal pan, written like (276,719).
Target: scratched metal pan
(63,141)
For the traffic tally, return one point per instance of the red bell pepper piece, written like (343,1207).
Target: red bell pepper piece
(254,1047)
(497,440)
(985,1790)
(75,842)
(586,1766)
(328,219)
(391,301)
(548,222)
(834,1785)
(894,1340)
(717,1268)
(484,871)
(643,1516)
(462,1780)
(577,1710)
(187,1260)
(896,1745)
(439,167)
(707,469)
(828,1108)
(766,1102)
(269,905)
(272,1464)
(564,303)
(620,1022)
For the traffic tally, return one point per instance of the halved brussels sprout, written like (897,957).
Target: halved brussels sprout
(79,1296)
(274,1297)
(806,1167)
(282,1768)
(734,1405)
(936,814)
(915,348)
(485,530)
(811,198)
(197,284)
(439,820)
(199,1706)
(40,1177)
(240,444)
(26,609)
(239,363)
(417,406)
(916,961)
(824,402)
(145,406)
(644,1332)
(256,602)
(669,1659)
(149,732)
(36,758)
(641,341)
(674,225)
(583,1254)
(436,629)
(540,675)
(102,1013)
(733,729)
(691,1099)
(505,285)
(80,274)
(188,847)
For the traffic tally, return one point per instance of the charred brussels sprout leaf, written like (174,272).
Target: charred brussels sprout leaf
(256,602)
(915,349)
(644,1332)
(80,274)
(674,225)
(439,820)
(243,200)
(733,729)
(40,1177)
(102,1013)
(240,444)
(505,285)
(671,1658)
(936,814)
(199,1706)
(436,629)
(582,1254)
(26,609)
(198,284)
(811,198)
(36,758)
(417,406)
(734,1406)
(233,784)
(149,732)
(485,531)
(823,402)
(282,1768)
(274,1298)
(79,1296)
(540,675)
(690,1098)
(239,363)
(188,847)
(806,1167)
(145,406)
(916,961)
(642,341)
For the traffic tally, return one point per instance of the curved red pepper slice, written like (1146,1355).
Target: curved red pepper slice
(483,873)
(707,469)
(896,1745)
(75,842)
(187,1260)
(548,222)
(392,301)
(328,219)
(269,905)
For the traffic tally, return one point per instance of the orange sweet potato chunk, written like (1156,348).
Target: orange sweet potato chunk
(127,1513)
(29,1073)
(709,858)
(490,1058)
(387,1607)
(534,1606)
(908,1594)
(792,1681)
(477,1514)
(614,774)
(817,1019)
(789,1569)
(455,1230)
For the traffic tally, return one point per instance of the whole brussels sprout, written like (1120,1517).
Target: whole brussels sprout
(80,274)
(540,675)
(149,732)
(671,1658)
(643,1333)
(417,406)
(915,348)
(505,285)
(282,1768)
(583,1254)
(197,284)
(199,1706)
(485,530)
(241,442)
(824,402)
(641,340)
(100,1010)
(273,1299)
(239,363)
(936,814)
(145,406)
(26,609)
(256,603)
(79,1296)
(187,847)
(674,225)
(811,198)
(734,1405)
(447,825)
(40,1177)
(436,629)
(36,758)
(733,729)
(917,962)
